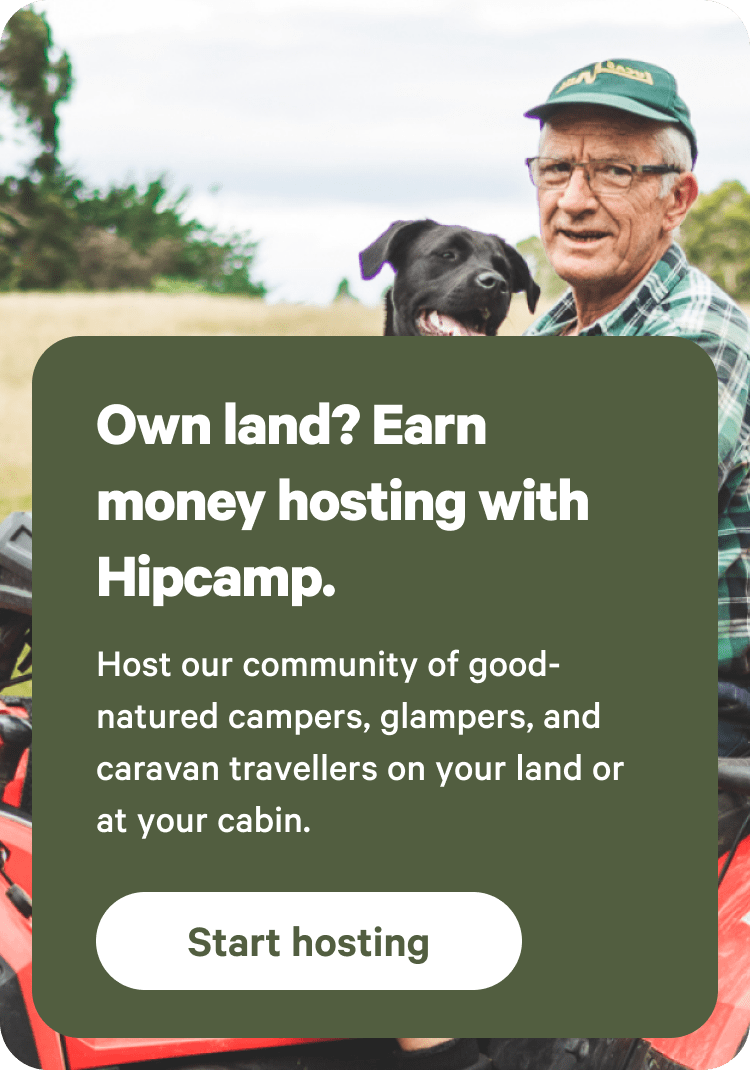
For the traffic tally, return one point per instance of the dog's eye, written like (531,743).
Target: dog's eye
(448,255)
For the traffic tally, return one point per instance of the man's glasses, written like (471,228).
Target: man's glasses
(604,176)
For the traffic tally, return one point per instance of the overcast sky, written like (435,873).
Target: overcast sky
(315,123)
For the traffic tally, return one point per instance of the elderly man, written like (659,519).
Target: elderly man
(614,181)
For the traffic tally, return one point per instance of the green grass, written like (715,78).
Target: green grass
(14,503)
(163,284)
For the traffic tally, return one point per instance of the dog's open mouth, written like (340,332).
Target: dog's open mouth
(472,323)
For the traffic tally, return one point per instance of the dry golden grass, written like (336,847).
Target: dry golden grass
(30,323)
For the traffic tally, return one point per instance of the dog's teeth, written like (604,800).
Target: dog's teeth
(435,319)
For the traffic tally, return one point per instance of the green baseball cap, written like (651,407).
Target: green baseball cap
(625,84)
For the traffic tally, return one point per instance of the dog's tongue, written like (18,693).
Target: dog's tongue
(439,323)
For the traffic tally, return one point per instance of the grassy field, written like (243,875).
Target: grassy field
(30,323)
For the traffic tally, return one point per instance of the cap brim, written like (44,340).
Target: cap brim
(607,100)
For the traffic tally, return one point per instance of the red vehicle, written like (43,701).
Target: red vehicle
(34,1043)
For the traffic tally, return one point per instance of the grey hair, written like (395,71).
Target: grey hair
(673,144)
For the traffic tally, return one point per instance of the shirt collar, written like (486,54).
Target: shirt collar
(649,294)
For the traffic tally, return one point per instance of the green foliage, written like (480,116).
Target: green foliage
(716,237)
(142,235)
(343,293)
(38,228)
(55,233)
(34,82)
(542,271)
(140,218)
(226,264)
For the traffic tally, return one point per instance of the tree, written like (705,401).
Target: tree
(35,83)
(37,212)
(54,232)
(343,293)
(716,237)
(38,232)
(161,242)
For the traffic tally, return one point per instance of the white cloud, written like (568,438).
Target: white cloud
(86,19)
(550,14)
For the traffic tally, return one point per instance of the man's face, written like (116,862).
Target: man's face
(602,242)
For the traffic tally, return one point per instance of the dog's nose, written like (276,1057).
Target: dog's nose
(490,280)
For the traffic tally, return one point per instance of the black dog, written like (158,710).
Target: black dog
(449,280)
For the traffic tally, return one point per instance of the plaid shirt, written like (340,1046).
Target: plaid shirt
(677,299)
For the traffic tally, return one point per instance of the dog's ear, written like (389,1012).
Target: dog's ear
(390,246)
(522,279)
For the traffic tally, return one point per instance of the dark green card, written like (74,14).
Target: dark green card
(483,663)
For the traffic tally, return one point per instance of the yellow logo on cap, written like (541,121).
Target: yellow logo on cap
(608,67)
